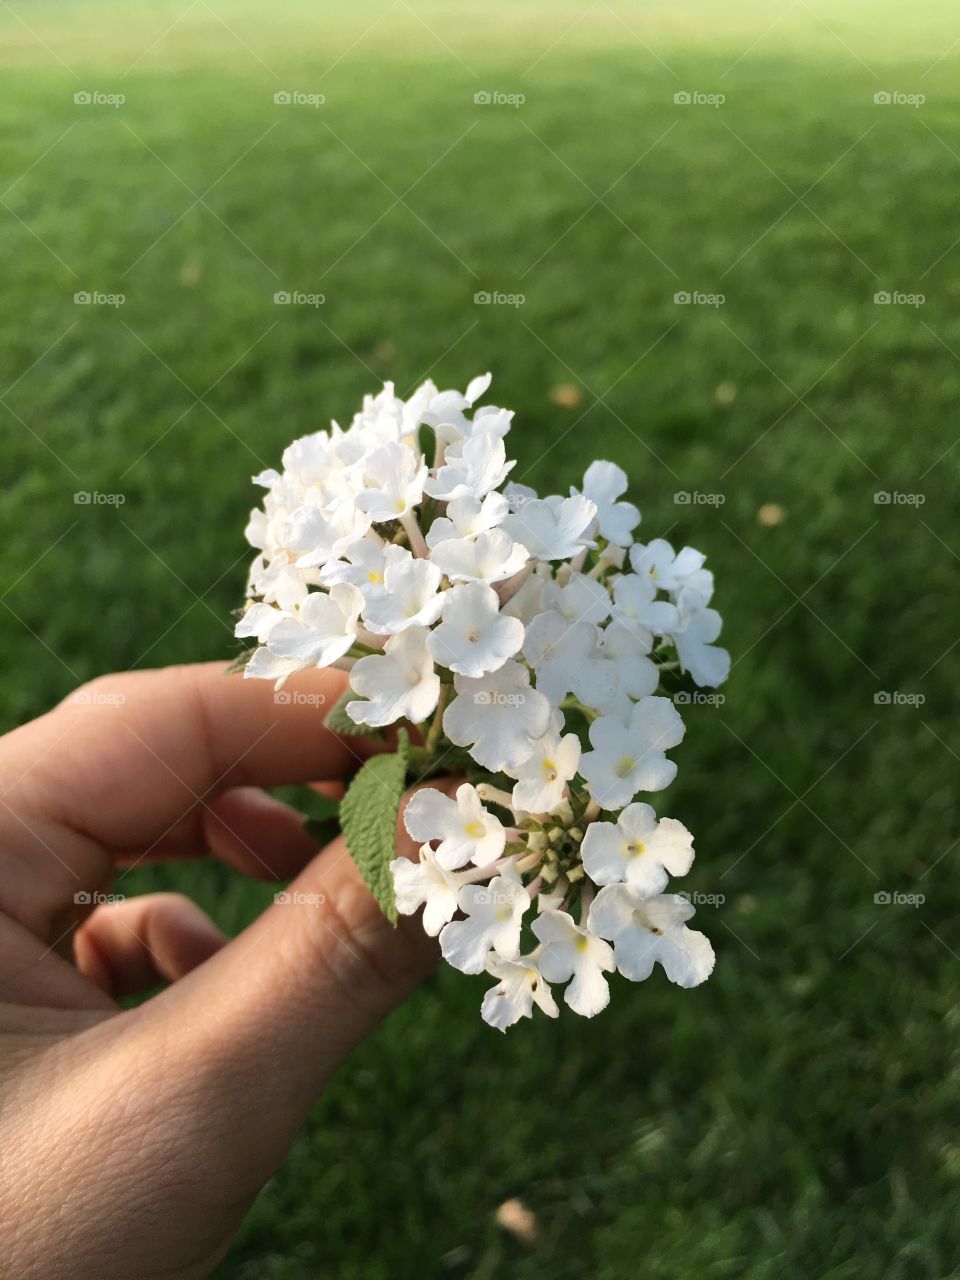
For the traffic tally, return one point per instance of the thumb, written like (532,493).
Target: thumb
(261,1027)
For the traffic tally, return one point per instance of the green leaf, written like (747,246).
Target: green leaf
(368,817)
(323,818)
(239,662)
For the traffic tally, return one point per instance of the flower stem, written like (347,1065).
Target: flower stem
(436,727)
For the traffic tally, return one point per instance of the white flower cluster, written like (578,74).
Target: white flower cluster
(530,633)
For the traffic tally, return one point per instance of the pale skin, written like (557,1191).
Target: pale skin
(133,1142)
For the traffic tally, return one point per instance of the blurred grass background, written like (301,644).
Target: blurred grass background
(797,1116)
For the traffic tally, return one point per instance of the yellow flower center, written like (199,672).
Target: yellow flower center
(475,830)
(634,848)
(549,770)
(625,767)
(581,943)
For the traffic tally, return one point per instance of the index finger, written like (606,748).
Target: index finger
(129,755)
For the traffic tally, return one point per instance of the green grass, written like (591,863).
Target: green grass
(796,1117)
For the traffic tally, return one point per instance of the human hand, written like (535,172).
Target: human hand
(134,1141)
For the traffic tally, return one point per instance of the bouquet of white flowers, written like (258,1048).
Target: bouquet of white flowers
(522,639)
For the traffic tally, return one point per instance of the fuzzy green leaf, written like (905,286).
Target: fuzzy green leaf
(368,817)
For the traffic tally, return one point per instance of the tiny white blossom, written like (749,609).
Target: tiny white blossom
(497,716)
(259,620)
(647,931)
(635,605)
(542,779)
(400,683)
(471,468)
(571,952)
(580,599)
(426,883)
(394,477)
(697,628)
(603,484)
(467,832)
(316,536)
(410,598)
(638,850)
(466,517)
(628,754)
(627,648)
(492,556)
(670,570)
(521,986)
(473,638)
(567,660)
(552,528)
(494,914)
(323,629)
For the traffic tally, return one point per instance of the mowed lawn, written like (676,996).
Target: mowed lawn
(797,1117)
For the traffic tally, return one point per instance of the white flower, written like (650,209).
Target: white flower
(259,620)
(492,556)
(316,536)
(628,756)
(410,598)
(521,986)
(572,952)
(635,605)
(626,648)
(497,716)
(494,914)
(603,484)
(395,476)
(567,660)
(474,638)
(363,563)
(638,850)
(580,599)
(647,931)
(466,517)
(466,830)
(323,630)
(696,629)
(552,528)
(265,665)
(542,779)
(277,582)
(401,683)
(427,884)
(670,570)
(471,468)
